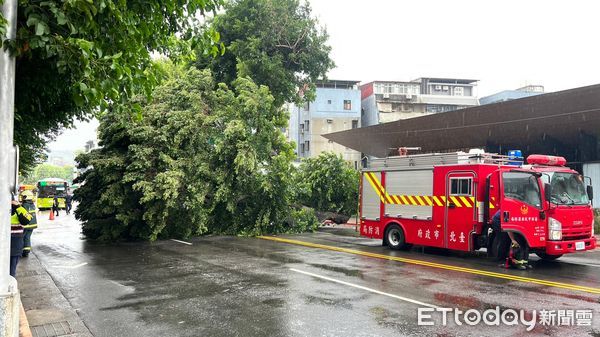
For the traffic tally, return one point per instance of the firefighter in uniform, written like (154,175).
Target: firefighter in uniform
(19,217)
(515,256)
(27,202)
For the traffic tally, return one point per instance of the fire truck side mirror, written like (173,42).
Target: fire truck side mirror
(547,191)
(590,192)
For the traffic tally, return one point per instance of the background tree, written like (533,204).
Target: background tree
(200,160)
(328,183)
(275,42)
(43,171)
(75,58)
(109,206)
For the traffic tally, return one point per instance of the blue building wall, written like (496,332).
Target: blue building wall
(330,103)
(506,95)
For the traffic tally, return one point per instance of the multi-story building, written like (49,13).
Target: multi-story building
(90,145)
(337,107)
(509,95)
(388,101)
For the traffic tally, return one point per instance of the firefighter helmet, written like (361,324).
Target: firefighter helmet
(26,195)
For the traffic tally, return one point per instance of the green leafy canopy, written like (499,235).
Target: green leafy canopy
(276,43)
(43,171)
(328,183)
(76,58)
(201,160)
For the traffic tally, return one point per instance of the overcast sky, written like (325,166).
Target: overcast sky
(503,44)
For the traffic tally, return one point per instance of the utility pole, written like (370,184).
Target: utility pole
(10,302)
(7,104)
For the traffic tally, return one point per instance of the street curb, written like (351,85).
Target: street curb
(24,330)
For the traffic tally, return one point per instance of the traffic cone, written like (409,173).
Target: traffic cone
(51,215)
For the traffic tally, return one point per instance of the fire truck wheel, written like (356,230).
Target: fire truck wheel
(547,257)
(394,237)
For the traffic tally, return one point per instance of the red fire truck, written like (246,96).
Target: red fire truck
(448,200)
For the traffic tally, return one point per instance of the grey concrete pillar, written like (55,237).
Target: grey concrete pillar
(9,295)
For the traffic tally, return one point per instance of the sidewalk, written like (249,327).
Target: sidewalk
(49,313)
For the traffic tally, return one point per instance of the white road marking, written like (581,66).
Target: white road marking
(75,266)
(186,243)
(365,288)
(117,283)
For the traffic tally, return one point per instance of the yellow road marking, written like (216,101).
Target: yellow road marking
(575,287)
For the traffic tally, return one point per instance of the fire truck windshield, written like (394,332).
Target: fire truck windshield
(522,186)
(567,188)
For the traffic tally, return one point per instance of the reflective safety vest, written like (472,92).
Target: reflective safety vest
(30,207)
(18,219)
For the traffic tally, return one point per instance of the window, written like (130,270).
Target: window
(354,124)
(329,120)
(306,106)
(460,186)
(522,186)
(302,148)
(301,127)
(347,104)
(306,125)
(567,188)
(378,88)
(328,101)
(307,145)
(459,91)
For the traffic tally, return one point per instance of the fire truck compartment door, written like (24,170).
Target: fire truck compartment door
(521,205)
(406,190)
(460,209)
(371,201)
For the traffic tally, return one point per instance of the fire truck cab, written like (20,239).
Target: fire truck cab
(449,200)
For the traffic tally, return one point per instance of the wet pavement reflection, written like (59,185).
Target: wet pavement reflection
(237,286)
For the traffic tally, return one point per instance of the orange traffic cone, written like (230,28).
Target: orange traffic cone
(51,215)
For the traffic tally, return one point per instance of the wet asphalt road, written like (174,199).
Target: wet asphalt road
(234,286)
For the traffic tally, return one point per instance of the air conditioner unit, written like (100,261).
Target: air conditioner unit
(386,95)
(438,87)
(445,88)
(329,120)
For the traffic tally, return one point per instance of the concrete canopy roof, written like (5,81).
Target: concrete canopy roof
(562,116)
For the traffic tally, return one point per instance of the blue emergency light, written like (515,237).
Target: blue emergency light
(515,157)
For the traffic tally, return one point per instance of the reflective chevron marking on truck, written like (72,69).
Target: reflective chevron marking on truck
(418,200)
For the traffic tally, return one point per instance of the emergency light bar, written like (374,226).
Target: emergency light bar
(540,159)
